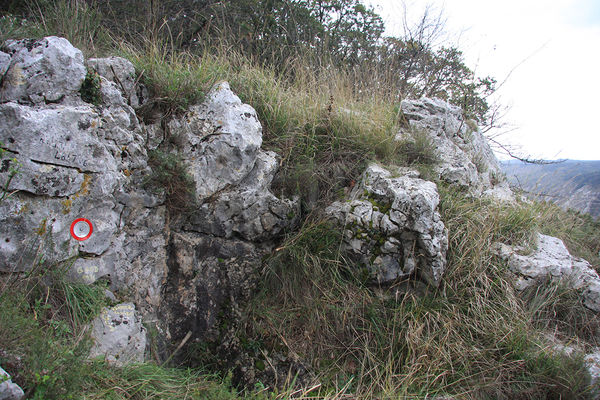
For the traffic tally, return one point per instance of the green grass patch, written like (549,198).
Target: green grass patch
(474,337)
(169,176)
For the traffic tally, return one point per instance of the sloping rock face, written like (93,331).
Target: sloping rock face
(392,226)
(78,160)
(465,158)
(553,262)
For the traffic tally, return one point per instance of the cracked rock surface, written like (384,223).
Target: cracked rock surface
(465,158)
(80,160)
(551,261)
(392,225)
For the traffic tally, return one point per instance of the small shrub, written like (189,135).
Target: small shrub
(169,176)
(91,88)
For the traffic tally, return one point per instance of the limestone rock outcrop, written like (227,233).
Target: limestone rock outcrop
(551,261)
(77,160)
(80,160)
(392,226)
(464,157)
(219,245)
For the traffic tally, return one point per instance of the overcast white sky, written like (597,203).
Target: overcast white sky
(554,96)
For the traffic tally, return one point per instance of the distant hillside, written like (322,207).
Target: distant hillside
(571,184)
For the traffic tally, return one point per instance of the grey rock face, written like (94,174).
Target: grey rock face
(119,335)
(70,165)
(77,160)
(42,71)
(249,210)
(393,227)
(552,261)
(65,136)
(219,140)
(8,389)
(466,159)
(121,72)
(214,251)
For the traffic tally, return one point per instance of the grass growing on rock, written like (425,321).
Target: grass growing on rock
(323,132)
(170,177)
(473,337)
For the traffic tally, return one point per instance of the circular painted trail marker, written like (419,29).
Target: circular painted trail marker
(81,229)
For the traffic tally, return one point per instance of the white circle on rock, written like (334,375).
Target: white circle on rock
(81,229)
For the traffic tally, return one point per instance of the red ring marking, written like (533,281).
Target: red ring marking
(73,228)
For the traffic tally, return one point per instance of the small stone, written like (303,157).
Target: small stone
(8,389)
(119,335)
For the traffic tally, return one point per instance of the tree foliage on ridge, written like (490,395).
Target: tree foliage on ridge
(343,34)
